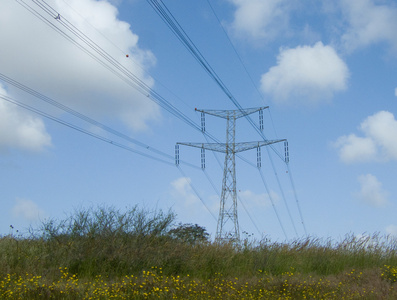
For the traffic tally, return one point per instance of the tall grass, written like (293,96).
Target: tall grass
(111,243)
(89,242)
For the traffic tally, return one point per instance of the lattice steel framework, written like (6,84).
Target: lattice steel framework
(228,227)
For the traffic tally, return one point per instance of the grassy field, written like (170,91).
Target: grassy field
(104,253)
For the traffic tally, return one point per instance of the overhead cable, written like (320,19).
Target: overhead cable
(196,192)
(165,14)
(162,10)
(242,63)
(80,129)
(296,198)
(272,202)
(86,118)
(282,193)
(105,59)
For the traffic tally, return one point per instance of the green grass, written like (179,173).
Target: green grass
(137,254)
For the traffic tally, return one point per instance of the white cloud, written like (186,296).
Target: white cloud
(382,128)
(182,188)
(395,92)
(371,191)
(391,230)
(369,23)
(27,210)
(188,205)
(39,57)
(19,129)
(356,149)
(378,144)
(250,199)
(258,19)
(312,73)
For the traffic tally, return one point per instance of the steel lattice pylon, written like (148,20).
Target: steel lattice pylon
(228,227)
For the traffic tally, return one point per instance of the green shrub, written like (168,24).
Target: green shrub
(109,242)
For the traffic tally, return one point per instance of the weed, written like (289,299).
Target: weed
(106,253)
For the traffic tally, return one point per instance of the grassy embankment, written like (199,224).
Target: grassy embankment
(105,253)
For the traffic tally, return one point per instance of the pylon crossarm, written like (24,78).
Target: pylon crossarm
(228,228)
(237,113)
(218,147)
(238,147)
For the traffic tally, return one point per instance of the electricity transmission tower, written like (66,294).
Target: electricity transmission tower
(228,227)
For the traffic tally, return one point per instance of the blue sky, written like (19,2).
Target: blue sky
(326,70)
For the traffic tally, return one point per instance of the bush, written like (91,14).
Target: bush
(106,222)
(109,242)
(189,233)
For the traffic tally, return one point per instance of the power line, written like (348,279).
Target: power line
(162,10)
(282,193)
(85,118)
(136,63)
(124,73)
(105,59)
(117,69)
(228,227)
(239,198)
(261,96)
(272,202)
(220,166)
(242,63)
(108,62)
(120,71)
(296,198)
(80,129)
(235,51)
(129,77)
(166,15)
(248,214)
(196,192)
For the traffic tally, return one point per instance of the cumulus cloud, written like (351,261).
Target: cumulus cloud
(371,191)
(369,23)
(182,188)
(258,19)
(356,149)
(253,200)
(392,230)
(41,58)
(313,74)
(382,128)
(27,210)
(188,205)
(19,129)
(379,142)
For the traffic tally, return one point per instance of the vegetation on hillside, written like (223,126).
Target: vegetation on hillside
(106,253)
